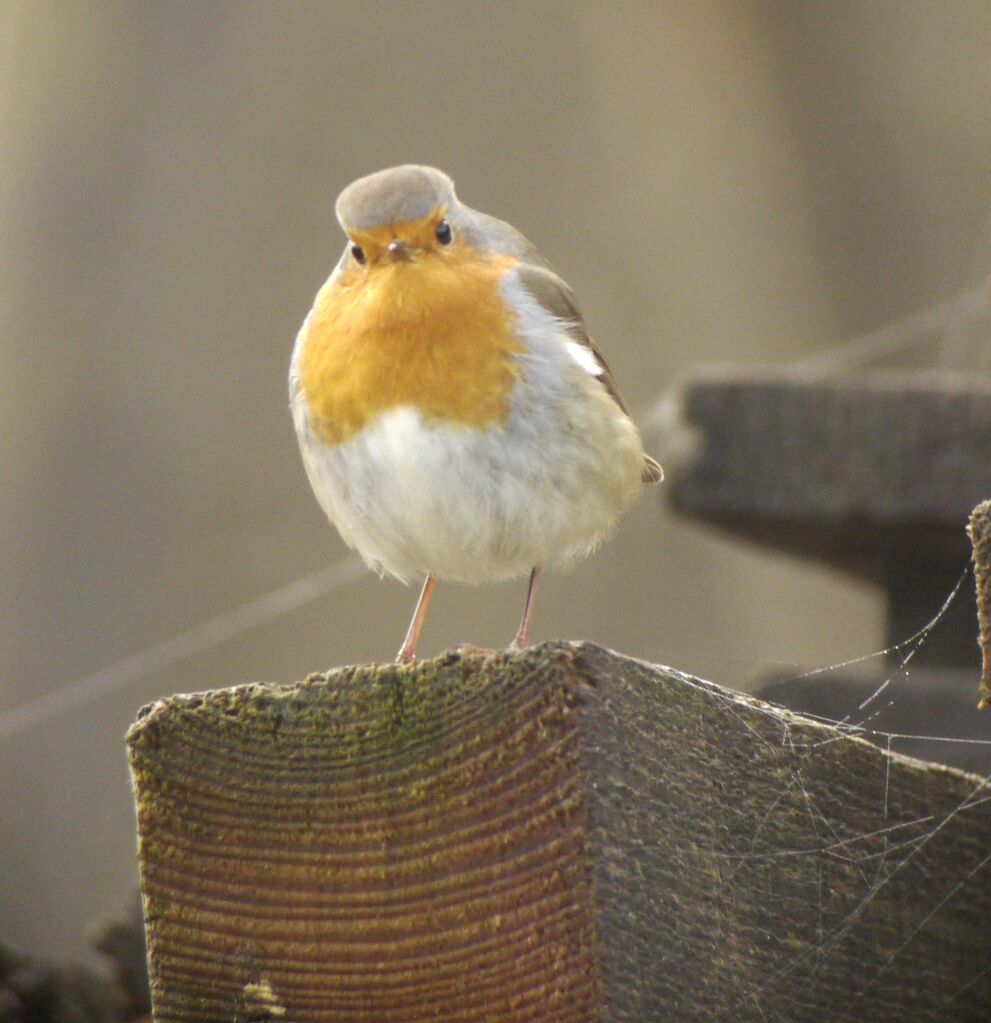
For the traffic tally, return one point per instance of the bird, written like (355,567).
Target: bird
(455,419)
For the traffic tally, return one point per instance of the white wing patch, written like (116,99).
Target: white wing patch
(585,358)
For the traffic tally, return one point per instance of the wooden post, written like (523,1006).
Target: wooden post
(563,834)
(979,531)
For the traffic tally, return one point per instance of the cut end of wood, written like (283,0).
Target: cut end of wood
(979,531)
(384,843)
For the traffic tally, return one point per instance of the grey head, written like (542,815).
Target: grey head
(394,195)
(411,192)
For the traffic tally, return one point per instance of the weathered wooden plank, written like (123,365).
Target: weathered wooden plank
(563,834)
(979,531)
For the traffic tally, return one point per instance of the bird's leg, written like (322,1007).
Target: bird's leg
(407,652)
(523,635)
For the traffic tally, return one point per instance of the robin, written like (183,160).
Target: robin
(455,418)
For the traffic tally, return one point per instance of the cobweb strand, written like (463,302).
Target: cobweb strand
(86,690)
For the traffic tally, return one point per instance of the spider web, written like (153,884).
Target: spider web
(879,857)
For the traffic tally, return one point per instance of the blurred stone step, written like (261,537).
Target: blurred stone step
(874,476)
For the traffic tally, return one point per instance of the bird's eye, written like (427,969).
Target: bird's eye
(443,232)
(359,254)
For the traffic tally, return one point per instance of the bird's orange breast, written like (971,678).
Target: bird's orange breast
(434,333)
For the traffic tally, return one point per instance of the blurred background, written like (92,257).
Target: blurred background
(720,182)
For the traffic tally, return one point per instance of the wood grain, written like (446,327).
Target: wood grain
(379,844)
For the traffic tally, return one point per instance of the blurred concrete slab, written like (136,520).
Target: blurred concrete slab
(875,476)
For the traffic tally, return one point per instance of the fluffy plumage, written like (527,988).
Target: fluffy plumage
(455,418)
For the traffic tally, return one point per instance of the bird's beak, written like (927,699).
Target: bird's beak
(400,251)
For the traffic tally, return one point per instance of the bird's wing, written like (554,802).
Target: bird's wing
(558,299)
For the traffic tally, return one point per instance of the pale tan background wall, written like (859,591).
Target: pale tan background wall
(722,181)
